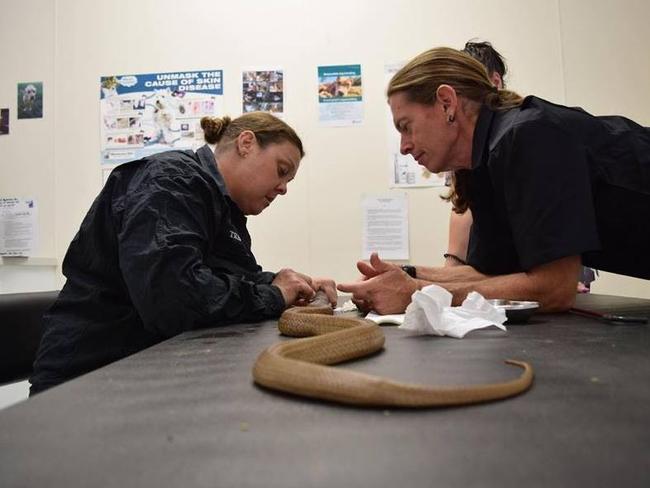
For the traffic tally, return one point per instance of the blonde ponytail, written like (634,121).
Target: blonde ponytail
(421,77)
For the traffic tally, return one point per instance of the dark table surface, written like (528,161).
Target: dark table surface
(186,413)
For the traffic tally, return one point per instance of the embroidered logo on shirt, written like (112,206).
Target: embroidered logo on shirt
(234,235)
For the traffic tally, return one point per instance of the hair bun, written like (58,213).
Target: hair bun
(213,128)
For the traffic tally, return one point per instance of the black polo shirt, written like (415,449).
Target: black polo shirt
(162,250)
(549,181)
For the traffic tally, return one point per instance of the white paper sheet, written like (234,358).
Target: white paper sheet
(385,226)
(18,226)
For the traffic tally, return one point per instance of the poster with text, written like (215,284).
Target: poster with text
(263,91)
(146,114)
(18,226)
(340,95)
(30,100)
(4,121)
(385,226)
(403,170)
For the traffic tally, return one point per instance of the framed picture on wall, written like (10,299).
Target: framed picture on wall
(4,121)
(30,100)
(263,90)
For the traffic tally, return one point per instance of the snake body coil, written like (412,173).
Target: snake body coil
(301,366)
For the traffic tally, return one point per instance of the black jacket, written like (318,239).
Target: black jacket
(162,250)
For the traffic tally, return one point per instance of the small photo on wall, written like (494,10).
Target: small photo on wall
(30,100)
(4,121)
(263,90)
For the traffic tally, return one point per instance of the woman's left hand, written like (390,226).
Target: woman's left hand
(328,286)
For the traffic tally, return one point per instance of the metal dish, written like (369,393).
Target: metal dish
(517,312)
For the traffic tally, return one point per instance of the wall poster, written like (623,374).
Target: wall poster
(4,121)
(30,100)
(340,95)
(263,91)
(146,114)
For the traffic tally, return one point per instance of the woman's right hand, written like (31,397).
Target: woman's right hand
(294,286)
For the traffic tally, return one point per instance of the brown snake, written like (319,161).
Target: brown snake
(300,366)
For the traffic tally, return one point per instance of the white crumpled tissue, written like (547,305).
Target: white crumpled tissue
(430,312)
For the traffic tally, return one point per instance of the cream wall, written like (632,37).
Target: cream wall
(560,50)
(607,71)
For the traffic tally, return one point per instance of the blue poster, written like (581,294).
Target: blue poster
(149,113)
(340,95)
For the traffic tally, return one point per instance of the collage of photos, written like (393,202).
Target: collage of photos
(263,91)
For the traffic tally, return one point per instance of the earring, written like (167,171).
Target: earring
(450,119)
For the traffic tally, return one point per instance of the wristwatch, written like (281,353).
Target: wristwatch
(409,270)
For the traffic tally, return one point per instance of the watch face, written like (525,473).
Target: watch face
(409,270)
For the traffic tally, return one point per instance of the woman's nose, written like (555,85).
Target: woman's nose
(405,146)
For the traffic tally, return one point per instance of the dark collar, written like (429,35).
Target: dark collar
(481,133)
(208,161)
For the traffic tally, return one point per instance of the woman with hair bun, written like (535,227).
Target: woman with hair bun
(164,249)
(549,187)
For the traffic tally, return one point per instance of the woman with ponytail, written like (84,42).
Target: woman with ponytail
(165,249)
(548,186)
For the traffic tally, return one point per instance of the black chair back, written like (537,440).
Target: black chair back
(20,331)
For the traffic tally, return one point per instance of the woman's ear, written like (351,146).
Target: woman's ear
(246,140)
(496,80)
(447,97)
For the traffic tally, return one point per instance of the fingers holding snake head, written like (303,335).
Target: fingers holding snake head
(293,286)
(328,287)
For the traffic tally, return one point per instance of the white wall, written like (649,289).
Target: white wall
(565,50)
(607,71)
(27,154)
